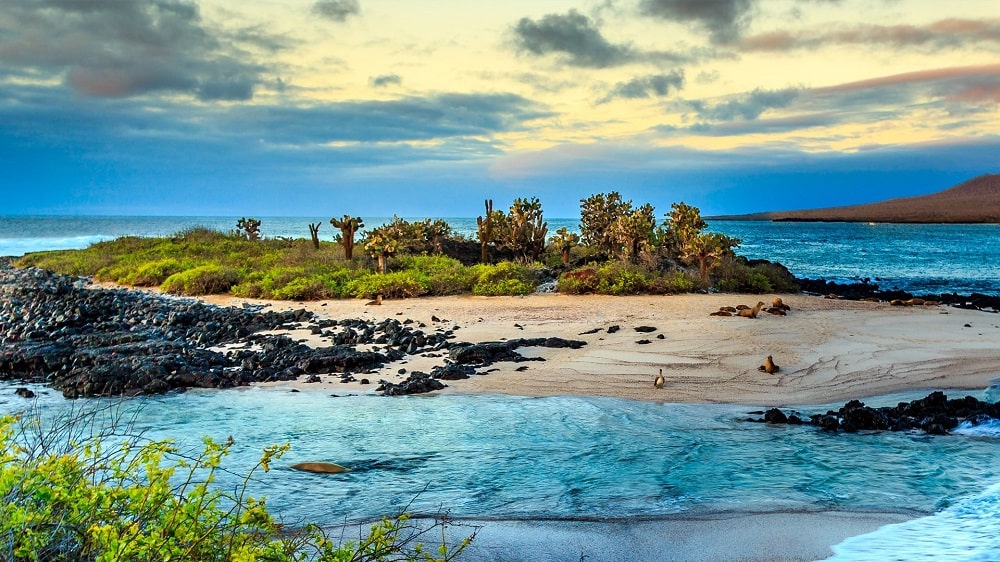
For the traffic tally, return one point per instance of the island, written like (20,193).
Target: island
(974,201)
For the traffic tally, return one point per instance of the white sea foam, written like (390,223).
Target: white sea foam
(968,531)
(21,246)
(988,429)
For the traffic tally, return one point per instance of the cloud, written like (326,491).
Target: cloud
(963,84)
(408,119)
(572,35)
(107,48)
(938,35)
(385,80)
(658,85)
(724,20)
(746,107)
(336,10)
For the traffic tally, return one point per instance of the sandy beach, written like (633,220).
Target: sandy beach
(827,350)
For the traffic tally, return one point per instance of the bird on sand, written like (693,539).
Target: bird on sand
(658,383)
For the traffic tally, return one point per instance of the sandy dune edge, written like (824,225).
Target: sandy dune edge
(828,350)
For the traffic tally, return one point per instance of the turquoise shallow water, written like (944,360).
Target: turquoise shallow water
(917,258)
(571,458)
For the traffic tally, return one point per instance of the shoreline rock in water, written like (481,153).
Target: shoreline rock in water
(934,414)
(84,341)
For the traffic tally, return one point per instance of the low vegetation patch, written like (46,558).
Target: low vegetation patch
(627,254)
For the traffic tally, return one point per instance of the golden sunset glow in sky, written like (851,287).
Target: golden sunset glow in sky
(161,105)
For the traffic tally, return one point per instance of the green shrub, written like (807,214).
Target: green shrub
(612,278)
(737,275)
(73,493)
(618,278)
(504,278)
(204,280)
(780,279)
(154,273)
(673,283)
(443,275)
(395,285)
(303,289)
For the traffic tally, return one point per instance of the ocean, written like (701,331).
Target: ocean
(586,458)
(920,259)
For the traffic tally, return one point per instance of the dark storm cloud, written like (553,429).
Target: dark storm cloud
(578,41)
(746,107)
(657,85)
(724,20)
(337,10)
(573,35)
(108,48)
(384,80)
(937,35)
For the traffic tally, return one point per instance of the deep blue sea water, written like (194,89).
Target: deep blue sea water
(596,458)
(916,258)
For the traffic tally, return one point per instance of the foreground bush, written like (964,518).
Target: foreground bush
(739,275)
(203,280)
(69,495)
(504,278)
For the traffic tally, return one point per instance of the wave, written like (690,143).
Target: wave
(967,531)
(988,429)
(21,246)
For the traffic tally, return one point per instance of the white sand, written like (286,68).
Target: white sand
(728,537)
(828,350)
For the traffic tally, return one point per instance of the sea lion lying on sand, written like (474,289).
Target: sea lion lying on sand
(777,303)
(377,301)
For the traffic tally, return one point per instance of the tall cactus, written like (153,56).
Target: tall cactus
(486,232)
(525,229)
(381,244)
(348,226)
(249,228)
(564,242)
(314,234)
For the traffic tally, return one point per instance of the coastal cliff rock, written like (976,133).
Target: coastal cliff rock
(934,414)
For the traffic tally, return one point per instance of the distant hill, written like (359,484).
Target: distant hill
(973,201)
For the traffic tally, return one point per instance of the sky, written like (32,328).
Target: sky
(426,108)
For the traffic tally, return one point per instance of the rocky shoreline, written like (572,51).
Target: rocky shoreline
(934,414)
(87,341)
(866,290)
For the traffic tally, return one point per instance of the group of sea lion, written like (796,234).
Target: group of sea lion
(777,308)
(915,301)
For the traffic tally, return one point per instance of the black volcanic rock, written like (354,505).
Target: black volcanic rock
(84,341)
(934,414)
